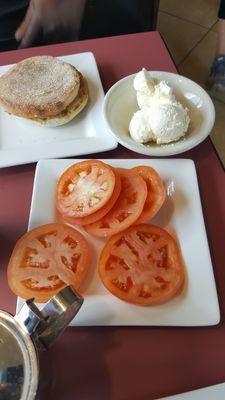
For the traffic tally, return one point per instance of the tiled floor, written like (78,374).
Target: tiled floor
(190,32)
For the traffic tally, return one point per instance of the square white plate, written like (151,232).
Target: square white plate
(21,141)
(216,392)
(181,215)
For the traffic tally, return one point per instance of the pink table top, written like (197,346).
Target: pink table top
(125,363)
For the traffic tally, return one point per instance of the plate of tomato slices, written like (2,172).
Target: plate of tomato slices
(129,235)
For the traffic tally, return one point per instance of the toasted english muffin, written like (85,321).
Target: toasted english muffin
(39,87)
(70,111)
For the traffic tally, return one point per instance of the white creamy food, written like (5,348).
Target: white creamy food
(168,122)
(144,86)
(139,127)
(161,117)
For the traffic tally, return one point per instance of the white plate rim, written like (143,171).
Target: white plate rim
(100,143)
(42,165)
(167,150)
(215,392)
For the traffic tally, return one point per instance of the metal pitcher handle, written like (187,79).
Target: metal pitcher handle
(46,325)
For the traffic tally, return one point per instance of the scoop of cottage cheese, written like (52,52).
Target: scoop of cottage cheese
(168,121)
(161,117)
(140,129)
(144,86)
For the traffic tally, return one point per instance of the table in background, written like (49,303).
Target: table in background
(125,363)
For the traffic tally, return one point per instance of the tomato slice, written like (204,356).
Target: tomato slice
(127,208)
(46,259)
(89,219)
(84,188)
(142,265)
(156,192)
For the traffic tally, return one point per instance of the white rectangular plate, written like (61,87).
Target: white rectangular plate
(21,141)
(216,392)
(181,215)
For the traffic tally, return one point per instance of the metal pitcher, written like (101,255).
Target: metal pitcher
(22,336)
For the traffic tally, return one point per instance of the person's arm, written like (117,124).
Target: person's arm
(54,18)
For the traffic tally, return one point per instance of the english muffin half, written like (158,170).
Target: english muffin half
(70,111)
(43,89)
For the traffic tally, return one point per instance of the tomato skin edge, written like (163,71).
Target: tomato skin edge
(78,165)
(161,192)
(102,212)
(143,302)
(108,232)
(45,295)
